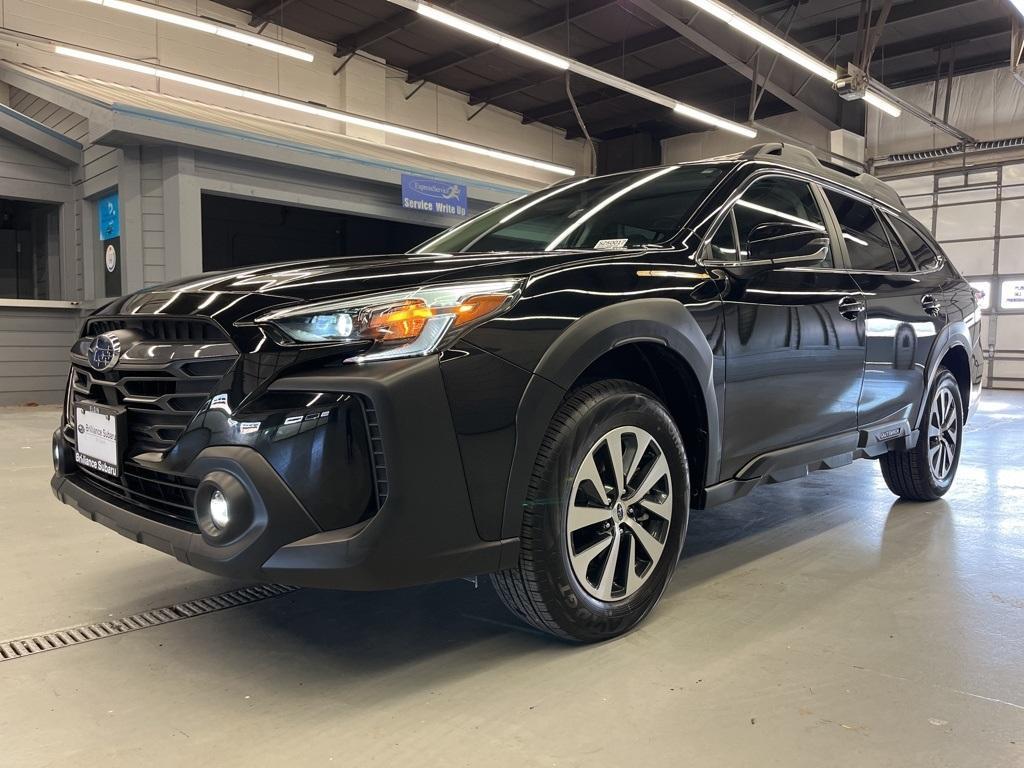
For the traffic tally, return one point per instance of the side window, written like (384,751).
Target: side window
(723,244)
(903,259)
(866,241)
(922,253)
(776,199)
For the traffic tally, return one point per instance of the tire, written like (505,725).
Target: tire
(557,586)
(926,471)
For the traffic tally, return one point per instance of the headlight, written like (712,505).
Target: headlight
(408,323)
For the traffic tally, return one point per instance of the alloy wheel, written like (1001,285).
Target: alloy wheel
(943,433)
(619,515)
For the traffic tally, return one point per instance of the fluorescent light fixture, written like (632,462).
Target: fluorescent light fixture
(882,103)
(309,109)
(718,122)
(533,52)
(459,23)
(491,36)
(202,25)
(756,32)
(545,56)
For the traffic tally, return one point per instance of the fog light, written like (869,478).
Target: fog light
(219,513)
(224,508)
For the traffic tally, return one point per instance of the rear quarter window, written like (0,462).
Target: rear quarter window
(921,252)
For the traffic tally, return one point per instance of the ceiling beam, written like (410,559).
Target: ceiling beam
(375,32)
(610,52)
(633,45)
(535,25)
(979,31)
(719,103)
(815,101)
(693,69)
(712,67)
(994,60)
(892,53)
(266,11)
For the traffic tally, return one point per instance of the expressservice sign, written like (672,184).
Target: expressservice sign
(110,217)
(421,193)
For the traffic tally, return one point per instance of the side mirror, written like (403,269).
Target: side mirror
(786,244)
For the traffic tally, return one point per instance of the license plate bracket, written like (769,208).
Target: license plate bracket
(99,431)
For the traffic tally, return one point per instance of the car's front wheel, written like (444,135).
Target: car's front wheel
(605,516)
(926,471)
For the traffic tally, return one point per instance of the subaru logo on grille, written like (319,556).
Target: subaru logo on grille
(104,352)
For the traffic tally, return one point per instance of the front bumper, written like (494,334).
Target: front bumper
(423,531)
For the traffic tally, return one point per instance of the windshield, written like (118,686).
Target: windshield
(624,210)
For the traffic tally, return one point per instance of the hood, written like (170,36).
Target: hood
(307,281)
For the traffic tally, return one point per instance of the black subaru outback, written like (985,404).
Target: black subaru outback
(541,393)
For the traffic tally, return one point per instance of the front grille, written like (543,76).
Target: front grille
(162,380)
(165,498)
(159,328)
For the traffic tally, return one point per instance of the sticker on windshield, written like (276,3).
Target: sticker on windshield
(605,245)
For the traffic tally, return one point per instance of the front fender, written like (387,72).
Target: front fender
(654,320)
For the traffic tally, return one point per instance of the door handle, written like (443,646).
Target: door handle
(931,305)
(851,307)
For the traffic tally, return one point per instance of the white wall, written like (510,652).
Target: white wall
(365,87)
(987,105)
(705,144)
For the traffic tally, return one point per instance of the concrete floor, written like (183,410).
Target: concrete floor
(816,622)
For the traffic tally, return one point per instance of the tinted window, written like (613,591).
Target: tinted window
(866,241)
(622,210)
(920,251)
(773,200)
(903,260)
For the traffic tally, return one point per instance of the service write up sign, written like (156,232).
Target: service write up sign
(421,193)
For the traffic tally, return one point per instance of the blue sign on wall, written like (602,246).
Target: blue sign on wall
(421,193)
(110,217)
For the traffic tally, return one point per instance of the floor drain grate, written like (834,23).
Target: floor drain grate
(63,638)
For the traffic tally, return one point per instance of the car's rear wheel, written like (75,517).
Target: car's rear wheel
(605,516)
(926,471)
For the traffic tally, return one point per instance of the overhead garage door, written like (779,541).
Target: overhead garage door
(977,214)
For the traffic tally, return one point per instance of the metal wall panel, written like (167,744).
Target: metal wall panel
(977,214)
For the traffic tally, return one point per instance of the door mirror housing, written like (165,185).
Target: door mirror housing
(779,244)
(787,244)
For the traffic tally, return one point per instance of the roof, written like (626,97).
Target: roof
(661,45)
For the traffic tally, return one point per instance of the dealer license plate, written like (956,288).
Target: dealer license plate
(98,437)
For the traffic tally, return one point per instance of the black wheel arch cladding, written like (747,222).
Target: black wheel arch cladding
(655,320)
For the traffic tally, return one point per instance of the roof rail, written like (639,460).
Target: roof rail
(879,189)
(790,152)
(807,160)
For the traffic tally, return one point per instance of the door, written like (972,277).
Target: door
(794,362)
(905,310)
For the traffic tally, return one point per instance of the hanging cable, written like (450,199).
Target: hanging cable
(589,148)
